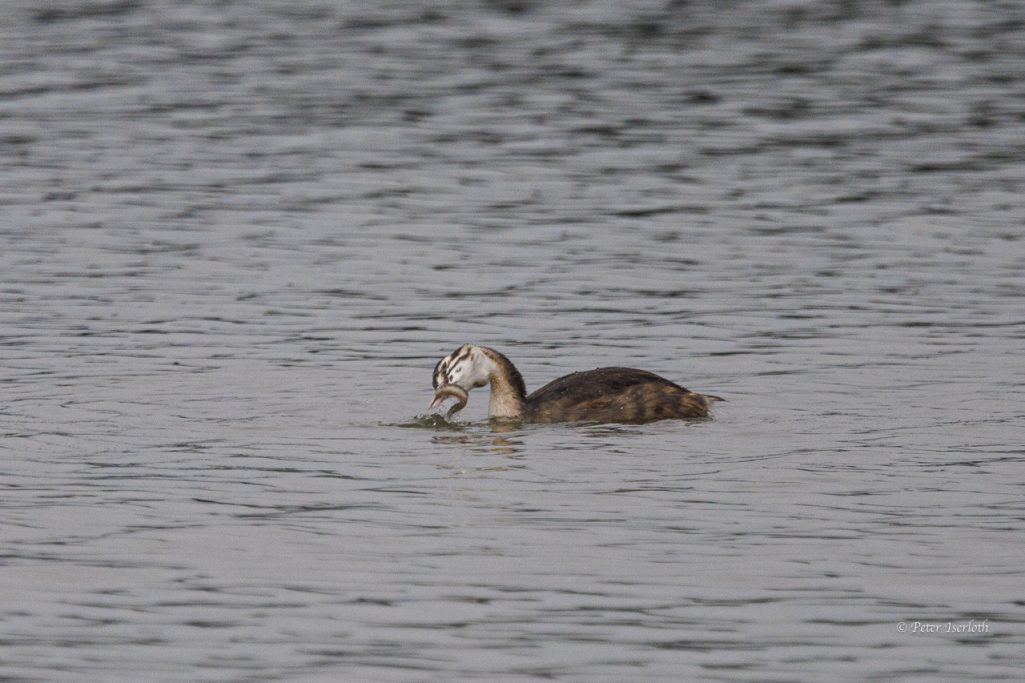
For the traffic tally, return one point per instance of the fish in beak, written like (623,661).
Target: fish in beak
(447,391)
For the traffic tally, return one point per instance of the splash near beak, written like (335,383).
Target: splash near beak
(447,391)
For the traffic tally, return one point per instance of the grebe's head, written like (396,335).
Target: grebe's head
(467,367)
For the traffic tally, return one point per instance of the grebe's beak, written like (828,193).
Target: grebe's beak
(447,391)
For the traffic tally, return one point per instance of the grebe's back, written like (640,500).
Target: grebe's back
(613,395)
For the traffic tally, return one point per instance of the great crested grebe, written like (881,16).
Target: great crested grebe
(602,395)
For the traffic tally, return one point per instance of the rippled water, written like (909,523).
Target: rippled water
(236,237)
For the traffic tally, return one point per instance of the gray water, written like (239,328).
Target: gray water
(236,237)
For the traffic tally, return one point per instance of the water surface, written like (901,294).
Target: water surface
(236,238)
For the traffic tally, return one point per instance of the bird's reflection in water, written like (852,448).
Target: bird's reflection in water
(482,443)
(491,437)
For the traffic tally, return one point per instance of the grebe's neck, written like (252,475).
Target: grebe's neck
(508,392)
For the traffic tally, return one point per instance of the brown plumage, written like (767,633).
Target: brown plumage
(613,395)
(623,395)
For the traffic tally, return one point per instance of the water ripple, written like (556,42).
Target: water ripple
(237,239)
